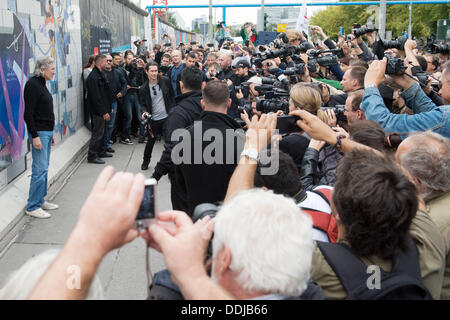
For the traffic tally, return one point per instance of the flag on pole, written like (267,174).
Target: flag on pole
(303,21)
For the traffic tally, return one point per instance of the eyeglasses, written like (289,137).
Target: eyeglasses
(154,90)
(108,60)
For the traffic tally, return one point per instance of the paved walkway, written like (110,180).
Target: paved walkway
(122,272)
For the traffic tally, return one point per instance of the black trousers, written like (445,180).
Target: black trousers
(97,138)
(177,197)
(159,129)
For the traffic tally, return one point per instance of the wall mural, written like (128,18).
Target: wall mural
(99,17)
(34,28)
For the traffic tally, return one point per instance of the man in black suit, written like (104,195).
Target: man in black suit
(99,105)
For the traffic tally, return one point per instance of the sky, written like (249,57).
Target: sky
(234,15)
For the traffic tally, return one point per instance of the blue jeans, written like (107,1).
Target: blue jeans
(110,125)
(39,170)
(132,103)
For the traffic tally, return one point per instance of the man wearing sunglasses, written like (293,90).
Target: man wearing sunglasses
(156,99)
(118,88)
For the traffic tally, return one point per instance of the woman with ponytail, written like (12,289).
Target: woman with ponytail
(370,133)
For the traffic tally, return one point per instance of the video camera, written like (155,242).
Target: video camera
(339,111)
(398,44)
(326,60)
(276,96)
(394,65)
(442,48)
(358,31)
(434,47)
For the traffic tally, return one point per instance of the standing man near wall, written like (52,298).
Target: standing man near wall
(136,78)
(118,65)
(40,121)
(118,88)
(99,106)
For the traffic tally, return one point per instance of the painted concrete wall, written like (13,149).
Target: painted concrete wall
(57,28)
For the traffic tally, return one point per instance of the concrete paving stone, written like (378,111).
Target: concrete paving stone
(122,272)
(17,255)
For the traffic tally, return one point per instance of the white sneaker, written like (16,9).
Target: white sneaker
(49,206)
(38,213)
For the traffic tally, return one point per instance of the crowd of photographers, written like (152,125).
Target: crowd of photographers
(355,180)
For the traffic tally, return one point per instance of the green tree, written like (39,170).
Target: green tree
(424,18)
(173,20)
(196,27)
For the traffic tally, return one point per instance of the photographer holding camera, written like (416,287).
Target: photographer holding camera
(222,34)
(156,99)
(426,114)
(135,78)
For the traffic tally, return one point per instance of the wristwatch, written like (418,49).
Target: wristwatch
(252,154)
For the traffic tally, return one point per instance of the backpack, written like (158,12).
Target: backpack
(323,221)
(404,282)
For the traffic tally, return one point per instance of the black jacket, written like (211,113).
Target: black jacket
(136,77)
(188,108)
(145,98)
(178,79)
(227,74)
(319,168)
(117,83)
(295,145)
(38,114)
(98,93)
(208,182)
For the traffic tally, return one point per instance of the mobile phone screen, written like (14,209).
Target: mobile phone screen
(147,208)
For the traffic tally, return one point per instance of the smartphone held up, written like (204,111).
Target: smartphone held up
(147,210)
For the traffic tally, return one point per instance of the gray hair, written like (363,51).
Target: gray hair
(428,162)
(254,225)
(446,71)
(42,63)
(22,281)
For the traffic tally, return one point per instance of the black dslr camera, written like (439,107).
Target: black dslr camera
(339,111)
(398,44)
(358,31)
(394,65)
(201,211)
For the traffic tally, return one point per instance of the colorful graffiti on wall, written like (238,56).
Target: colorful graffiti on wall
(178,35)
(35,28)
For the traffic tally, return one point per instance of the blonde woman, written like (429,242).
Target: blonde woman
(316,162)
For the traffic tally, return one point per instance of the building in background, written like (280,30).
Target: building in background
(281,15)
(200,25)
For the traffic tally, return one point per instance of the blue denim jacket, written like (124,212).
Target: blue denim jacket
(427,116)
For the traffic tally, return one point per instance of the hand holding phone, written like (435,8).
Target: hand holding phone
(147,210)
(288,124)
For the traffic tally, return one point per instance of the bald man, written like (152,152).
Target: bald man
(224,62)
(175,71)
(426,156)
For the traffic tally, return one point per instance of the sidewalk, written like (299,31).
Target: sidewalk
(122,272)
